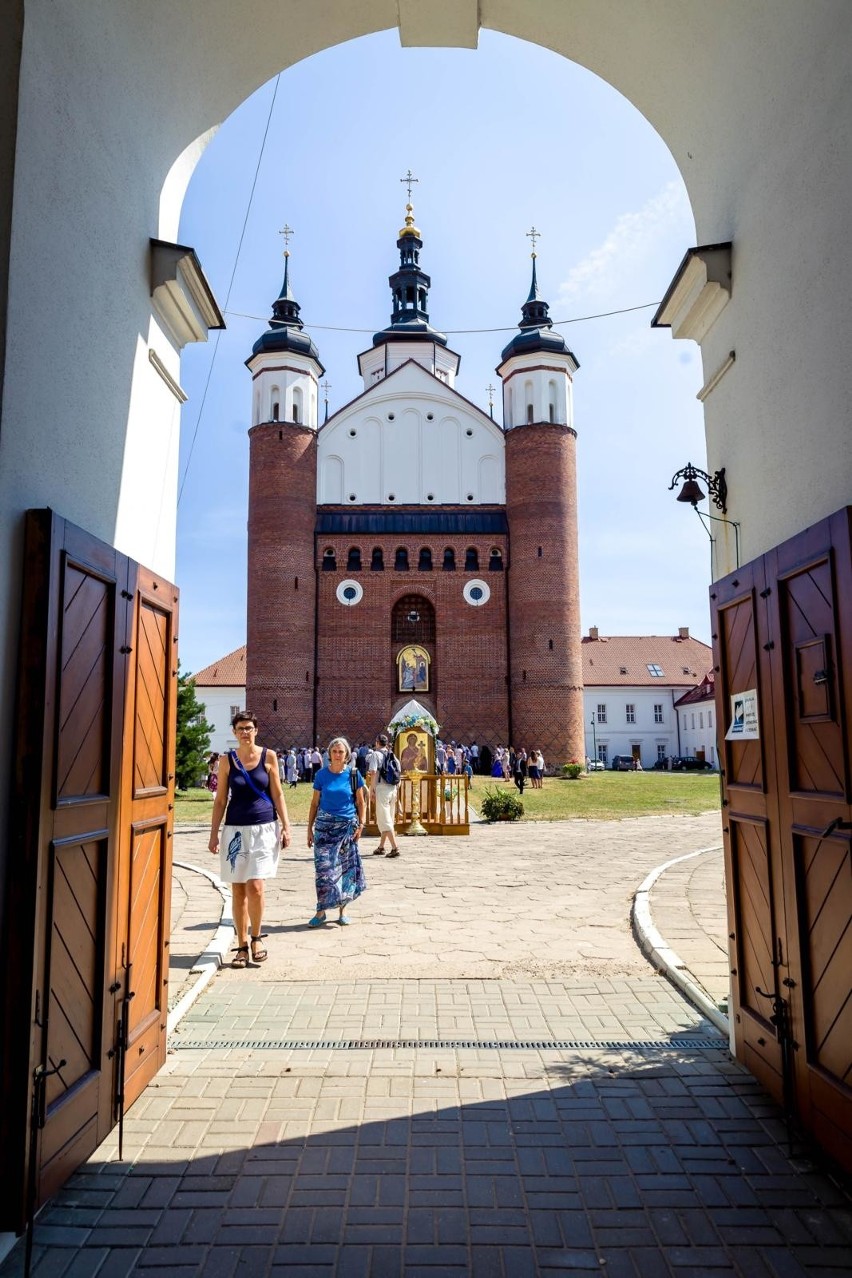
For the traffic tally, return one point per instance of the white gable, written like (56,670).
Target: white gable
(410,440)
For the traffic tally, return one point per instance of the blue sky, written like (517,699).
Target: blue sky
(501,139)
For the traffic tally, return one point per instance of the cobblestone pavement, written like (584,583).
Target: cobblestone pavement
(565,1110)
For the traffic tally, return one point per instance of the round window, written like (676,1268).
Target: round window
(349,592)
(477,593)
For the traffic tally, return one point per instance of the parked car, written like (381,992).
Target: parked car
(596,765)
(691,764)
(622,763)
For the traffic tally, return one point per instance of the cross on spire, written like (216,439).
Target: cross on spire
(288,233)
(490,389)
(409,181)
(534,235)
(326,387)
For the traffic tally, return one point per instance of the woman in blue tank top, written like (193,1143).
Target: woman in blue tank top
(248,849)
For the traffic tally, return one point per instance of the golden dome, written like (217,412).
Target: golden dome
(409,228)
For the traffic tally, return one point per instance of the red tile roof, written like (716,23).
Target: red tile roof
(227,672)
(705,691)
(624,660)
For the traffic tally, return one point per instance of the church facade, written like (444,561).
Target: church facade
(411,545)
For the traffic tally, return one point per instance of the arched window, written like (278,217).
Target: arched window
(495,560)
(297,404)
(551,412)
(377,560)
(529,412)
(276,407)
(413,620)
(400,563)
(471,559)
(425,561)
(449,564)
(329,560)
(353,559)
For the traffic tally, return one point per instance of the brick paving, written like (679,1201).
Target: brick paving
(656,1156)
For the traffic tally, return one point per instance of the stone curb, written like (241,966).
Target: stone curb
(660,953)
(213,957)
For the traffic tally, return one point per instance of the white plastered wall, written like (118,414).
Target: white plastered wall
(414,441)
(117,98)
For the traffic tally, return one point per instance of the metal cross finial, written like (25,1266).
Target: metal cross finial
(326,387)
(534,235)
(287,232)
(409,181)
(490,389)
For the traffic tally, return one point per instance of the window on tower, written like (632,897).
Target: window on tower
(275,411)
(529,412)
(377,560)
(449,564)
(495,560)
(400,563)
(471,559)
(353,559)
(329,560)
(425,561)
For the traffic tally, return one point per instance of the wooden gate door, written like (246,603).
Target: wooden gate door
(783,626)
(66,939)
(146,831)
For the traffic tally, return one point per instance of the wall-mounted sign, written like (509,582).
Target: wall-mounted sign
(744,721)
(412,666)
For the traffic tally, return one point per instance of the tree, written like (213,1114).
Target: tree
(193,735)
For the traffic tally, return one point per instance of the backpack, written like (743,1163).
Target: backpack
(389,772)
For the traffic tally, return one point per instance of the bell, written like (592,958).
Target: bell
(691,492)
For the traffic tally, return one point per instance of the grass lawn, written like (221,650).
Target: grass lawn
(598,796)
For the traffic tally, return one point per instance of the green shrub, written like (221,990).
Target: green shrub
(501,805)
(572,770)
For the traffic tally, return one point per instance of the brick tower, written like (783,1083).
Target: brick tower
(545,663)
(282,591)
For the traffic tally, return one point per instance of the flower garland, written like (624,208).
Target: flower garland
(408,721)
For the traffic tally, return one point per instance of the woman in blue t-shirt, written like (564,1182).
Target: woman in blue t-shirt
(335,824)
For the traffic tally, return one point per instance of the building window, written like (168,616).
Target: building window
(630,714)
(661,753)
(529,412)
(297,404)
(602,755)
(353,559)
(400,563)
(275,411)
(709,718)
(471,559)
(424,564)
(495,560)
(656,672)
(413,621)
(377,560)
(235,710)
(701,718)
(449,564)
(693,720)
(601,714)
(329,560)
(658,713)
(551,412)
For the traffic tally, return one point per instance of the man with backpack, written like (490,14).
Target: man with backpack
(383,776)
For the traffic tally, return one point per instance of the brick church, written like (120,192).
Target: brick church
(410,546)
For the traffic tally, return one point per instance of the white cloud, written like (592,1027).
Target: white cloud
(641,252)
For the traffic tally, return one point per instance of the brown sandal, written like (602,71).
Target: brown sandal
(240,958)
(258,956)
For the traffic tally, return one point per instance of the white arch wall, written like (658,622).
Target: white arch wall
(754,101)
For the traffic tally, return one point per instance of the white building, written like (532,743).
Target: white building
(696,716)
(633,684)
(221,688)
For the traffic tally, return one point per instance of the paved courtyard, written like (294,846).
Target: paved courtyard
(480,1076)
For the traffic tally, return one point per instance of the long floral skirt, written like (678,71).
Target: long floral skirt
(337,861)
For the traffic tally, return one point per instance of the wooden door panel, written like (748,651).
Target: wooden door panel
(817,750)
(147,834)
(737,626)
(825,889)
(86,658)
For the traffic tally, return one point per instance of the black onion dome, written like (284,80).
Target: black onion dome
(536,328)
(286,331)
(410,291)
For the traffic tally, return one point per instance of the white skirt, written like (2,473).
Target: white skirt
(249,852)
(385,807)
